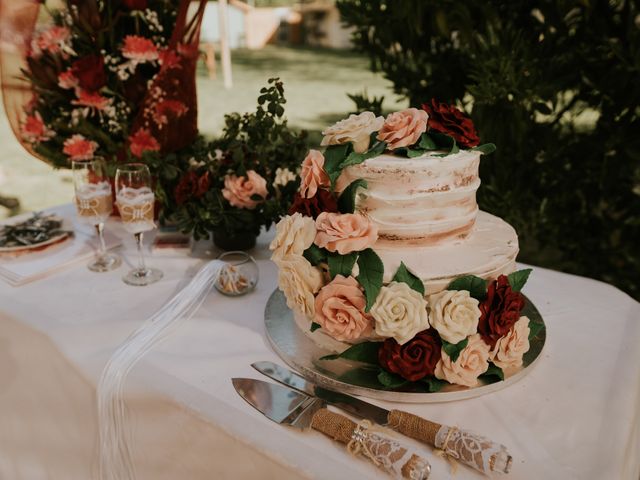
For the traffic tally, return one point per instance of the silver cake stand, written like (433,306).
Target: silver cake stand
(301,353)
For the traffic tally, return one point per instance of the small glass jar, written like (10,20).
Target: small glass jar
(239,275)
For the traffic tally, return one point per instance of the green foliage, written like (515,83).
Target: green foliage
(518,279)
(476,286)
(260,141)
(454,349)
(405,276)
(341,264)
(493,373)
(365,352)
(370,276)
(347,200)
(364,103)
(555,86)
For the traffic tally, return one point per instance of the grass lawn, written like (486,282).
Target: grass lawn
(316,84)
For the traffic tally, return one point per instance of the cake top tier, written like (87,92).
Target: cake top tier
(424,200)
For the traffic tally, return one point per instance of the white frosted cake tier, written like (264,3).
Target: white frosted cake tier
(418,201)
(488,251)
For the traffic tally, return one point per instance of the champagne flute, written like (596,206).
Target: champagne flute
(94,205)
(135,200)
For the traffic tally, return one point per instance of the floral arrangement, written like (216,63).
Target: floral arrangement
(114,78)
(329,272)
(242,181)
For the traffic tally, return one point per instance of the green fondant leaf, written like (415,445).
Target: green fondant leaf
(518,279)
(454,349)
(413,153)
(391,380)
(363,377)
(334,155)
(433,384)
(493,373)
(315,326)
(315,255)
(341,264)
(365,352)
(370,276)
(357,158)
(476,286)
(485,149)
(534,329)
(347,200)
(427,143)
(405,276)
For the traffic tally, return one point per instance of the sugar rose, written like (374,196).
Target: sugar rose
(399,312)
(415,359)
(499,311)
(356,129)
(472,362)
(403,128)
(340,309)
(299,281)
(509,349)
(449,120)
(322,201)
(454,314)
(345,233)
(294,234)
(313,176)
(239,190)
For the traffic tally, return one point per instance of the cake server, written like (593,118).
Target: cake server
(289,407)
(473,450)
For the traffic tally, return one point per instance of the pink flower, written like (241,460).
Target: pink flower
(164,108)
(403,128)
(79,148)
(91,100)
(34,130)
(313,175)
(51,40)
(345,232)
(139,49)
(142,141)
(67,80)
(339,309)
(239,190)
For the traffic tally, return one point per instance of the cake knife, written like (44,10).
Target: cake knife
(289,407)
(488,457)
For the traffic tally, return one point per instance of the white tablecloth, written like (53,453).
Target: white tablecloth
(576,415)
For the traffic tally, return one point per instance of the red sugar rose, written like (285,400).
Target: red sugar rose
(322,201)
(415,359)
(499,311)
(447,119)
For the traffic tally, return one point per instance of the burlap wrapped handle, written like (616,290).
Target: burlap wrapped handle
(473,450)
(398,460)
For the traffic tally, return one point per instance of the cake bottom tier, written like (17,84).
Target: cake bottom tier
(489,251)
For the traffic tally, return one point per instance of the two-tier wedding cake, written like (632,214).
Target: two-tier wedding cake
(385,257)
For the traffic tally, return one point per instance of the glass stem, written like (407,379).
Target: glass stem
(141,265)
(103,248)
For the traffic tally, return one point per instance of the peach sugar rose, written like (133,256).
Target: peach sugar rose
(340,308)
(472,362)
(313,175)
(509,349)
(239,190)
(345,232)
(403,128)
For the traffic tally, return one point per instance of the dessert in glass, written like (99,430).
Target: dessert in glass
(135,200)
(94,205)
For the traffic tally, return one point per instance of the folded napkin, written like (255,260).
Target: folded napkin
(34,265)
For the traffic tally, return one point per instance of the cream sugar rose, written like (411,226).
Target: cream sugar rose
(385,243)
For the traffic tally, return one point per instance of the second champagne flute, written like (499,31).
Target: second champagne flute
(135,200)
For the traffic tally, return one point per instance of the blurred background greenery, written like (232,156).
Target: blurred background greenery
(554,83)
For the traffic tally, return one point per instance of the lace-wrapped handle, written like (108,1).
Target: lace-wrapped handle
(473,450)
(397,459)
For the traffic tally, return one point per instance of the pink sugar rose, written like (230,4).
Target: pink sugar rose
(313,175)
(79,148)
(403,128)
(340,308)
(345,233)
(239,190)
(139,49)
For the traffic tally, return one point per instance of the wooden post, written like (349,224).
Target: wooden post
(225,53)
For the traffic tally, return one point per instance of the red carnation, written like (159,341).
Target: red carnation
(499,311)
(447,119)
(142,141)
(190,185)
(415,359)
(135,4)
(322,201)
(90,72)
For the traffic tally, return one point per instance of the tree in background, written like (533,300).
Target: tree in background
(556,86)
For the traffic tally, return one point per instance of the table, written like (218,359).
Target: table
(576,415)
